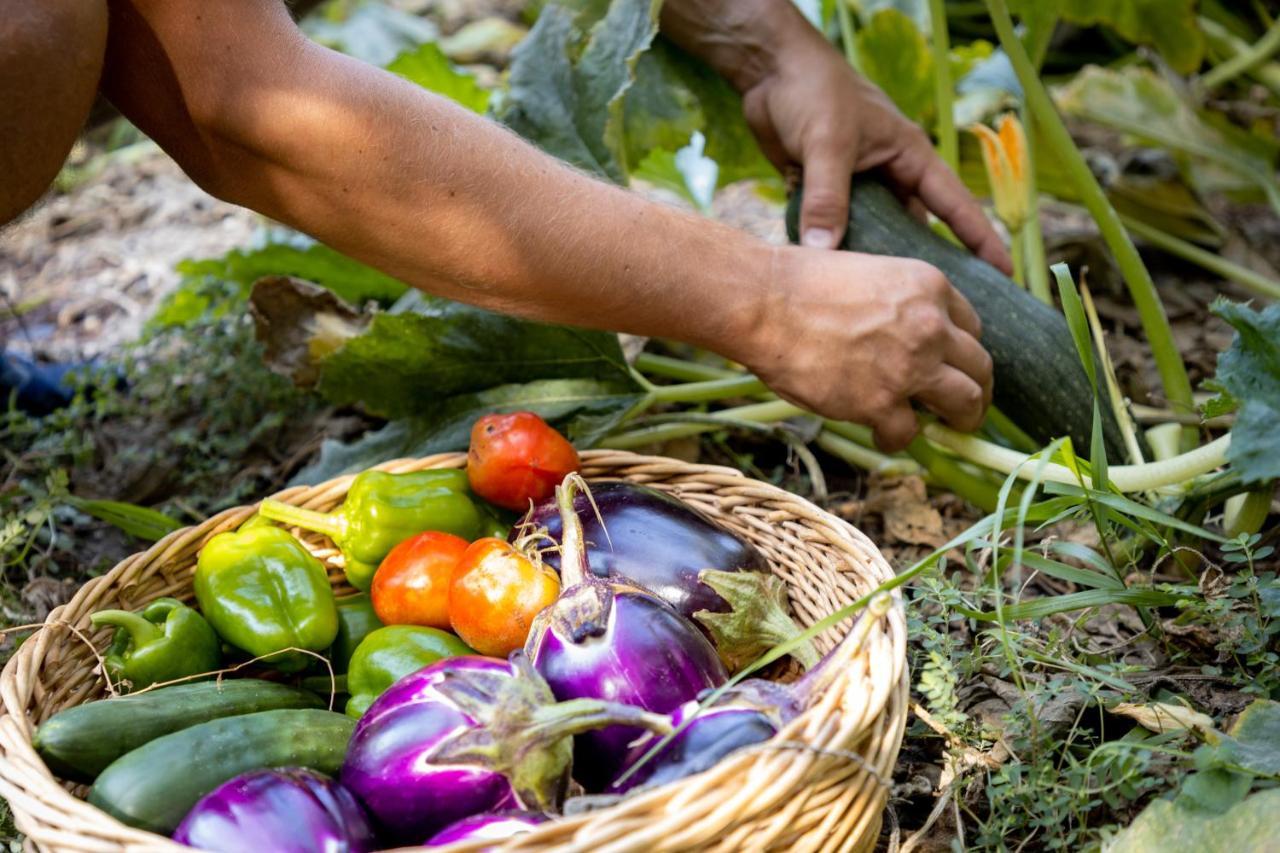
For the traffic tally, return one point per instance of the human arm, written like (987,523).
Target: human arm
(809,109)
(451,203)
(50,60)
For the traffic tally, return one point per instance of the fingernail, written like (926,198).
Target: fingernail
(818,238)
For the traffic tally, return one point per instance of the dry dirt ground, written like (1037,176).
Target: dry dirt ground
(81,273)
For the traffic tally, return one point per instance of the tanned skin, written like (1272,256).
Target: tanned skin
(449,202)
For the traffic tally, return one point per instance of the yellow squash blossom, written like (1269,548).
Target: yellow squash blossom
(1005,153)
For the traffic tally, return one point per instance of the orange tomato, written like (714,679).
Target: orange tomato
(495,593)
(517,459)
(411,586)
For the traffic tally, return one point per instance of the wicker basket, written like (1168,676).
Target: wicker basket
(821,784)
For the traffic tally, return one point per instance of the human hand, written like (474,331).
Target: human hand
(859,337)
(811,110)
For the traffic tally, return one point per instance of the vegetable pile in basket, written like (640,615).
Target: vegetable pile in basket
(490,674)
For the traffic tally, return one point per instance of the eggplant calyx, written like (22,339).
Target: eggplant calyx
(757,619)
(583,612)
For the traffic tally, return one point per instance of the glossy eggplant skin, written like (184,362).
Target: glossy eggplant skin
(711,736)
(609,640)
(493,826)
(290,810)
(654,541)
(389,766)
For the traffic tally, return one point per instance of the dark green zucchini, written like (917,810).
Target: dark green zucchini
(80,742)
(1039,381)
(155,786)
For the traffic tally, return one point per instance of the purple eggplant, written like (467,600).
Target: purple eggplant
(469,735)
(652,540)
(608,639)
(648,538)
(493,826)
(290,811)
(745,714)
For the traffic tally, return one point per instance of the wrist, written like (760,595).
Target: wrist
(754,305)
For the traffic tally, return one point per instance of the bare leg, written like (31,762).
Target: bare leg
(50,61)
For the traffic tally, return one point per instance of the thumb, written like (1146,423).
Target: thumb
(825,211)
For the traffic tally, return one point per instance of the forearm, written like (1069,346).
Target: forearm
(449,202)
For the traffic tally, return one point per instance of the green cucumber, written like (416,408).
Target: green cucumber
(155,786)
(80,742)
(1039,381)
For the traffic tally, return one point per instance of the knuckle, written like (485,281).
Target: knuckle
(928,323)
(823,203)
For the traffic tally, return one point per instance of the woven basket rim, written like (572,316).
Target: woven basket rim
(56,819)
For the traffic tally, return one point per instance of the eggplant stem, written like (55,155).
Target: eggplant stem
(573,551)
(575,716)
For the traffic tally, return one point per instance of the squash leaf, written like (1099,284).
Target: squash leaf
(348,279)
(568,99)
(1141,104)
(894,54)
(1170,827)
(1169,26)
(427,66)
(425,349)
(1249,373)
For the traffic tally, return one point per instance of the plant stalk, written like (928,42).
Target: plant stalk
(847,34)
(1017,248)
(1032,237)
(1148,477)
(948,141)
(1259,52)
(743,385)
(1214,263)
(1173,374)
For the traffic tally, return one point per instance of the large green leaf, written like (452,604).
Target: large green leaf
(1168,827)
(1250,372)
(606,71)
(1138,102)
(584,409)
(1167,25)
(567,98)
(426,350)
(674,95)
(431,69)
(351,280)
(895,56)
(1254,741)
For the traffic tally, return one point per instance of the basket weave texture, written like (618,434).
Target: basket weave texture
(820,785)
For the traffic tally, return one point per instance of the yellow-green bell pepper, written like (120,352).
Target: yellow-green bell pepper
(265,593)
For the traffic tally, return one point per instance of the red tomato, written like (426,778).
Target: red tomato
(515,459)
(495,593)
(411,586)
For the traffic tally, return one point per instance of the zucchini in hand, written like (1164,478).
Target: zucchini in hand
(1039,381)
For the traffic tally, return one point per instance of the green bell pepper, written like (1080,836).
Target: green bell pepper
(382,510)
(356,620)
(263,592)
(389,654)
(165,641)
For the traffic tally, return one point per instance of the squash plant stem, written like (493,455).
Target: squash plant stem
(948,143)
(1259,52)
(1173,374)
(1214,263)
